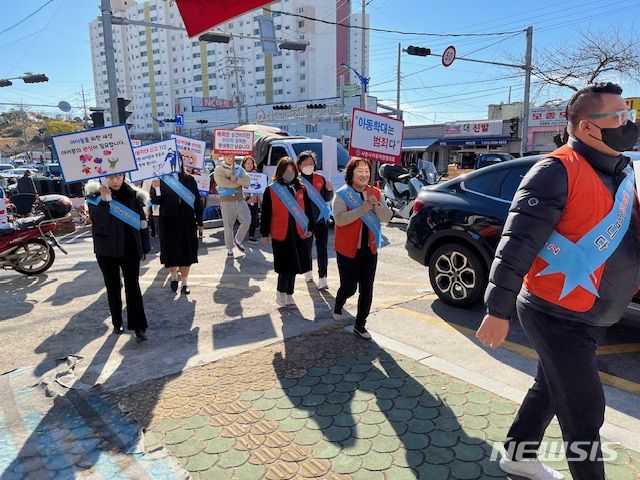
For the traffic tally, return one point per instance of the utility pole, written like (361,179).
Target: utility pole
(235,71)
(85,121)
(524,144)
(398,112)
(110,58)
(363,62)
(342,110)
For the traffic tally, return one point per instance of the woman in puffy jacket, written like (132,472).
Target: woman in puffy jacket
(120,242)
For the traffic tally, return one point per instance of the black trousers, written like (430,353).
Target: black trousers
(110,267)
(567,385)
(357,273)
(255,223)
(321,235)
(286,282)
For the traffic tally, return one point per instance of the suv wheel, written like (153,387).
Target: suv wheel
(457,275)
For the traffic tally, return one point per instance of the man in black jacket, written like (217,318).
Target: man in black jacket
(565,198)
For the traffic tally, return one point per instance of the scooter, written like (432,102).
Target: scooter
(401,187)
(26,245)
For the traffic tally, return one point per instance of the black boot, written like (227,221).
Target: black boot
(140,336)
(118,330)
(174,286)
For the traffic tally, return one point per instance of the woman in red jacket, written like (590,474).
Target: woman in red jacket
(287,220)
(358,211)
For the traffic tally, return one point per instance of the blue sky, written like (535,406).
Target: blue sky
(55,41)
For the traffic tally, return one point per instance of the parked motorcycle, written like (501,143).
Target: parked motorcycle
(401,186)
(26,245)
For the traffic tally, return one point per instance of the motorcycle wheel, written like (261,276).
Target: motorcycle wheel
(36,256)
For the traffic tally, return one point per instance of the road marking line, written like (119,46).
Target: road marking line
(606,378)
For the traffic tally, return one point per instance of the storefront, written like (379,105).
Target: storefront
(415,150)
(544,124)
(464,140)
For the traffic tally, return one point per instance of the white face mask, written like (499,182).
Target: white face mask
(307,170)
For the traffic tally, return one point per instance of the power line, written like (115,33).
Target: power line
(26,18)
(420,34)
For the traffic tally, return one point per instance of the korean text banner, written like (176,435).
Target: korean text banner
(480,128)
(376,137)
(192,151)
(232,142)
(94,153)
(258,185)
(155,160)
(201,15)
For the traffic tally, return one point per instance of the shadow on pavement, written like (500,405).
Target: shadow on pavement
(370,408)
(14,290)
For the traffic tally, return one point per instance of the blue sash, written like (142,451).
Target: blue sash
(578,261)
(284,194)
(314,195)
(120,211)
(183,192)
(353,201)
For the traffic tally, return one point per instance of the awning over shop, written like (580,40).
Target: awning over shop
(474,142)
(417,144)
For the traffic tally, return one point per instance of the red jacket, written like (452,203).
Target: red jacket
(280,215)
(347,237)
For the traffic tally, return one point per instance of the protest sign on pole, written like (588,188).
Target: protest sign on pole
(202,181)
(232,142)
(94,153)
(155,160)
(376,137)
(192,151)
(258,185)
(329,156)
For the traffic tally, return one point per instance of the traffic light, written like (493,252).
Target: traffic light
(98,119)
(513,128)
(169,120)
(5,83)
(312,106)
(418,51)
(282,107)
(38,78)
(123,113)
(215,37)
(201,120)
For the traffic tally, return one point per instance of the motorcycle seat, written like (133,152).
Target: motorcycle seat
(28,222)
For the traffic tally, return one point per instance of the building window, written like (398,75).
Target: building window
(260,81)
(277,66)
(198,89)
(302,89)
(302,63)
(211,64)
(212,75)
(302,76)
(300,23)
(259,69)
(311,128)
(277,79)
(301,10)
(259,56)
(156,51)
(278,92)
(278,27)
(197,78)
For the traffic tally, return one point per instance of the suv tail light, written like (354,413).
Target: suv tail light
(418,205)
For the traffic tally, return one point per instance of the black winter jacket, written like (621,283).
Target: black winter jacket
(535,211)
(112,237)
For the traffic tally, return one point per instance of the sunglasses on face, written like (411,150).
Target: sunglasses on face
(623,116)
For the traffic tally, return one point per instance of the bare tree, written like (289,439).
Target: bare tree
(593,57)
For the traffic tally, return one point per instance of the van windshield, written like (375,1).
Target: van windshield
(316,147)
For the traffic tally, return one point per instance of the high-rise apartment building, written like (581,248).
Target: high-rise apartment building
(156,67)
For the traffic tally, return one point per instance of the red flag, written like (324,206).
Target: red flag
(201,15)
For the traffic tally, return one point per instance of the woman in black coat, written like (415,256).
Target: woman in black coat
(291,255)
(120,246)
(180,224)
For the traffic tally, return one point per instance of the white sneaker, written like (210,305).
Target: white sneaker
(308,277)
(337,316)
(533,469)
(281,299)
(362,332)
(322,283)
(289,299)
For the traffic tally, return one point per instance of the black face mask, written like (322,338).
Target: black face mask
(620,139)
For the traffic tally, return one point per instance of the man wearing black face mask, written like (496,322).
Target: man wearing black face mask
(566,267)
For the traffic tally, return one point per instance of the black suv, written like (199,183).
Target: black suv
(456,227)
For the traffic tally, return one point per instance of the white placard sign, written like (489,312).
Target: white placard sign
(192,151)
(155,160)
(202,181)
(94,153)
(376,137)
(329,156)
(259,182)
(4,218)
(232,142)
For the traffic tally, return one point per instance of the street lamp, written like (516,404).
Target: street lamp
(364,81)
